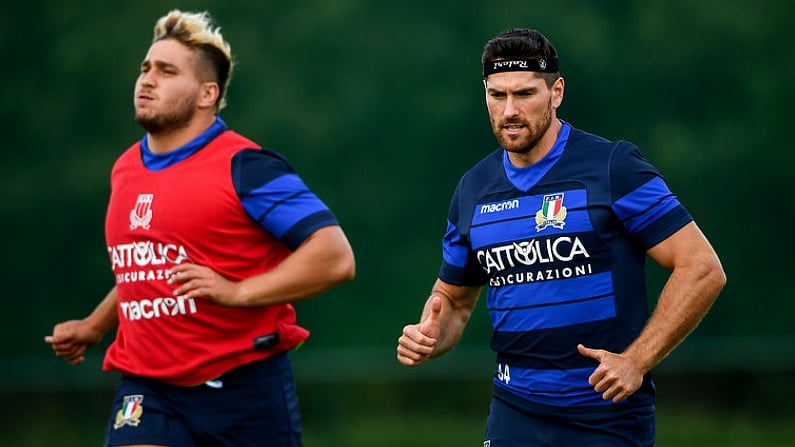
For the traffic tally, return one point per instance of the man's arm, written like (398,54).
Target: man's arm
(71,339)
(696,279)
(322,261)
(444,318)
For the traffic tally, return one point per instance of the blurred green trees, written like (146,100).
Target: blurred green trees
(379,106)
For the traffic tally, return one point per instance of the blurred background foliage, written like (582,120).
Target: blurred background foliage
(379,106)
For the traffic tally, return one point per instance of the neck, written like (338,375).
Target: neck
(173,139)
(540,150)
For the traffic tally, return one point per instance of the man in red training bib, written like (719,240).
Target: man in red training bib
(211,238)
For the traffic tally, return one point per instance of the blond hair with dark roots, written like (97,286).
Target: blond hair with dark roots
(195,30)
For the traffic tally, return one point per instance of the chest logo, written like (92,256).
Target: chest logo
(552,212)
(141,214)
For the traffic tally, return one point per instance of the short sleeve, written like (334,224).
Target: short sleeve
(459,264)
(275,196)
(642,201)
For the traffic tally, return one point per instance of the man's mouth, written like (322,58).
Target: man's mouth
(513,127)
(144,97)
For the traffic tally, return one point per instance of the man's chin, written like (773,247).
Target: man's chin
(516,147)
(149,125)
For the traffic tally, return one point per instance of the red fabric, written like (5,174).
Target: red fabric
(195,212)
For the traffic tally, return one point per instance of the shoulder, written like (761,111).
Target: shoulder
(130,155)
(262,157)
(487,163)
(582,140)
(484,171)
(253,168)
(486,176)
(131,151)
(230,138)
(246,151)
(594,150)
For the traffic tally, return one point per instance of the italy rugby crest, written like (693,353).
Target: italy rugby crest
(552,212)
(131,411)
(141,214)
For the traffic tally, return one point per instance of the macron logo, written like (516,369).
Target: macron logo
(499,206)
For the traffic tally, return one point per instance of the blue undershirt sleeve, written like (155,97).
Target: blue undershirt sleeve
(275,196)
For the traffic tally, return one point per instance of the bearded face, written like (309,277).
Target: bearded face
(521,109)
(175,116)
(168,89)
(519,134)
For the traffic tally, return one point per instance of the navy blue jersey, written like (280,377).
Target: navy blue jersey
(561,246)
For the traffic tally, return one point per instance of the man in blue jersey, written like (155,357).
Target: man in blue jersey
(557,223)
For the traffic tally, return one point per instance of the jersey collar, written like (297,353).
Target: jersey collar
(156,162)
(527,177)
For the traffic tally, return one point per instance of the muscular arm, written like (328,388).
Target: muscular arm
(322,261)
(444,317)
(695,281)
(71,339)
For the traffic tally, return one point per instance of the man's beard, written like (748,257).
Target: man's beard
(166,122)
(536,132)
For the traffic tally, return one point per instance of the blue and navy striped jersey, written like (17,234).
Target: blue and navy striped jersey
(561,246)
(270,190)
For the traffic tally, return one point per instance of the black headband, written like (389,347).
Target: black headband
(551,65)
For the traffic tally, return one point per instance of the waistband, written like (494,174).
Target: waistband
(247,368)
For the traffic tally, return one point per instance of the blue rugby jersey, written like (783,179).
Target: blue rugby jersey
(561,246)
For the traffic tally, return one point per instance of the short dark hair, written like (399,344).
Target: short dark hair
(521,43)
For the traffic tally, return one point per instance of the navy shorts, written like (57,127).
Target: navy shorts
(253,405)
(511,426)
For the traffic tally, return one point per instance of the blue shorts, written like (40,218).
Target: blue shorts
(514,426)
(253,405)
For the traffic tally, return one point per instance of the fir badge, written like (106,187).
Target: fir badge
(141,214)
(552,212)
(131,411)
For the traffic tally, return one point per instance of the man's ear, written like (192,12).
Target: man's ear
(557,92)
(209,94)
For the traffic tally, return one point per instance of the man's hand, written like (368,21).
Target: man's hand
(71,339)
(616,377)
(419,340)
(199,281)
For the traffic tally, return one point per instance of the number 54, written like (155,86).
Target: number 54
(503,373)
